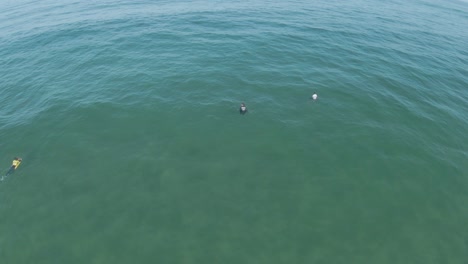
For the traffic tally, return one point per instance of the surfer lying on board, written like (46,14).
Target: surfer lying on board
(243,109)
(14,165)
(314,96)
(16,162)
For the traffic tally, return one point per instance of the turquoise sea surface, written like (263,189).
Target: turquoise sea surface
(126,116)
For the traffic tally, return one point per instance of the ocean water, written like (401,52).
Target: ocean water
(126,116)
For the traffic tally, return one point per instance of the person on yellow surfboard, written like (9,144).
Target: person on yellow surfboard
(16,162)
(14,165)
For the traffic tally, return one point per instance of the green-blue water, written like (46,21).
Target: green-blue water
(126,116)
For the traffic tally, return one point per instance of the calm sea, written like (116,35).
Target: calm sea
(126,116)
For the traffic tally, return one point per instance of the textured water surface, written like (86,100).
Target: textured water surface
(126,116)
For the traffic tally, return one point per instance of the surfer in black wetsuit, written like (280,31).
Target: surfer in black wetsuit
(16,162)
(243,109)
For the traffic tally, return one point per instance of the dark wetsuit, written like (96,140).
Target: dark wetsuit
(13,167)
(242,110)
